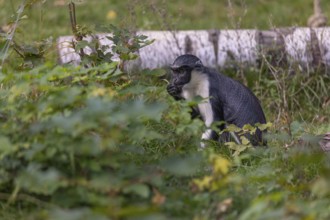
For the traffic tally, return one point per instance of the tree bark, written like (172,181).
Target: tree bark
(309,48)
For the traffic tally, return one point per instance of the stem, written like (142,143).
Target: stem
(11,35)
(73,20)
(317,7)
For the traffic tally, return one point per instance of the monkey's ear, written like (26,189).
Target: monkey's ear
(198,63)
(174,68)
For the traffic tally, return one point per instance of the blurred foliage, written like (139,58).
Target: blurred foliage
(73,144)
(93,142)
(78,143)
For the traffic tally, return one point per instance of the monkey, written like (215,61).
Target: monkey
(226,100)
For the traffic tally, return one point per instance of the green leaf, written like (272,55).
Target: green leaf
(34,180)
(5,147)
(81,45)
(139,189)
(320,187)
(75,214)
(296,127)
(249,129)
(263,127)
(244,140)
(182,166)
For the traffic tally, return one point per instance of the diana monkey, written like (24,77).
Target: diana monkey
(227,100)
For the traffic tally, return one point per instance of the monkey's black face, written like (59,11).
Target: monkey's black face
(179,77)
(181,73)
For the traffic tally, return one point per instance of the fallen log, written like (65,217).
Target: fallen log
(306,47)
(325,142)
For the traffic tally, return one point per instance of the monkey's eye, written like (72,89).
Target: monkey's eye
(180,70)
(183,70)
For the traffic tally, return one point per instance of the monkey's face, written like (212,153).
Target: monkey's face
(179,77)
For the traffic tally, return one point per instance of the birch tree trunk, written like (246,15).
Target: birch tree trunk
(306,47)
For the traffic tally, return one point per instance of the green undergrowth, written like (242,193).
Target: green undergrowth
(81,143)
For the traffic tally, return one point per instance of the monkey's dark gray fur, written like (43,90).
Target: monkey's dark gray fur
(227,99)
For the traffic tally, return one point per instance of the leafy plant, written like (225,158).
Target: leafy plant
(124,43)
(124,46)
(30,54)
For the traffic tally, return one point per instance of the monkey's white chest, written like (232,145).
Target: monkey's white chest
(199,86)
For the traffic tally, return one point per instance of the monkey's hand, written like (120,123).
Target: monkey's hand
(174,91)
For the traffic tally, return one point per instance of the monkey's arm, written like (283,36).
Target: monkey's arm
(195,113)
(210,113)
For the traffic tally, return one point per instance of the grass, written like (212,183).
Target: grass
(53,20)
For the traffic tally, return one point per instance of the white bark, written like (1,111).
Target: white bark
(307,47)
